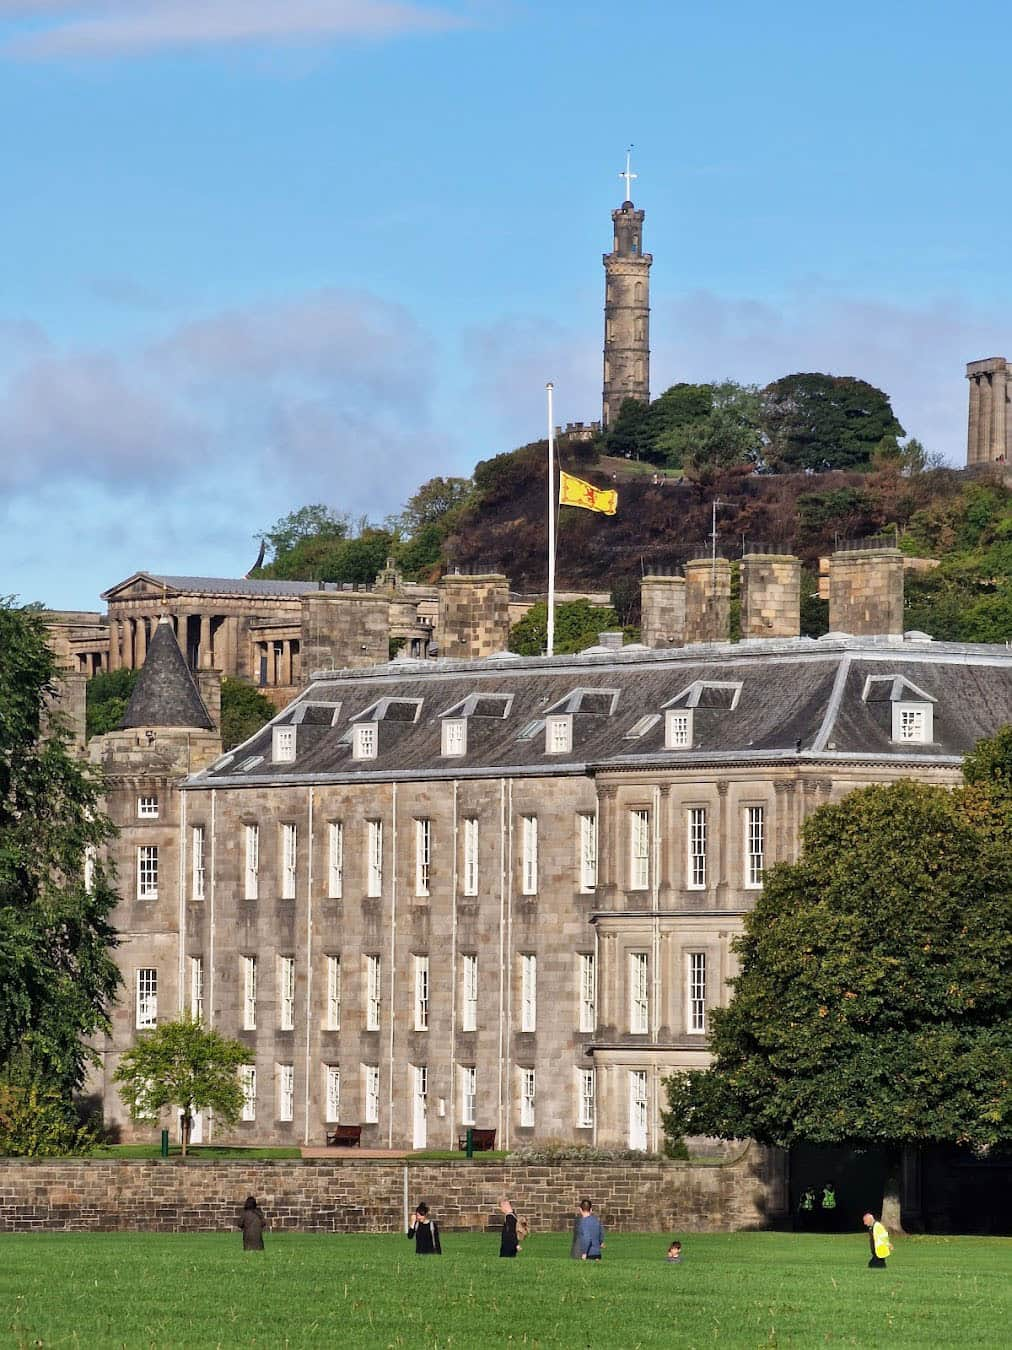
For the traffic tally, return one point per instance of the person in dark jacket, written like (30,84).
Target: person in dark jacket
(591,1233)
(509,1243)
(574,1250)
(425,1232)
(252,1223)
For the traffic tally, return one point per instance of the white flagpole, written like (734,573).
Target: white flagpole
(551,523)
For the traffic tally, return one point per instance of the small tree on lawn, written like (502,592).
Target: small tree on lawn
(182,1064)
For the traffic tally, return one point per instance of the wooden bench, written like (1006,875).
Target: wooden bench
(482,1141)
(345,1136)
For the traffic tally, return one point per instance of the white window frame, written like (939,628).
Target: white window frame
(695,993)
(528,1086)
(639,849)
(913,723)
(370,1094)
(374,859)
(423,856)
(335,860)
(252,866)
(587,990)
(469,992)
(248,1083)
(198,839)
(197,988)
(588,852)
(695,843)
(468,1077)
(249,993)
(639,1109)
(558,734)
(289,860)
(147,872)
(639,993)
(585,1099)
(286,993)
(528,992)
(373,992)
(421,993)
(529,855)
(332,1093)
(286,1092)
(365,740)
(332,1017)
(754,846)
(147,807)
(453,737)
(678,729)
(283,743)
(470,870)
(146,1005)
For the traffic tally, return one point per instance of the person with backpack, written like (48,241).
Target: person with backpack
(878,1240)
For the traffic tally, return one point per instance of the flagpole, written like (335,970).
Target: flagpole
(550,646)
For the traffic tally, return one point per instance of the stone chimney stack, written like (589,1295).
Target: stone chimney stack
(473,619)
(708,600)
(209,684)
(662,607)
(344,629)
(866,591)
(770,595)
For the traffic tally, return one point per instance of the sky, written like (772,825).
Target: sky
(260,253)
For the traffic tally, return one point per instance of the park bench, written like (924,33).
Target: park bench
(345,1136)
(482,1141)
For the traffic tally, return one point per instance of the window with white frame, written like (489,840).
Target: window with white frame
(755,845)
(289,860)
(421,993)
(372,993)
(249,993)
(638,1109)
(468,1093)
(454,736)
(332,1093)
(678,729)
(332,1020)
(286,1091)
(588,852)
(639,993)
(364,741)
(335,860)
(147,808)
(697,848)
(469,993)
(585,1101)
(912,723)
(528,992)
(371,1093)
(147,872)
(197,988)
(252,889)
(639,850)
(696,985)
(558,734)
(529,854)
(283,745)
(147,998)
(197,838)
(248,1083)
(470,876)
(374,859)
(587,976)
(286,993)
(423,855)
(526,1097)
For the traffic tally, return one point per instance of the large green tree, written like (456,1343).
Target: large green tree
(819,422)
(578,624)
(57,974)
(874,1000)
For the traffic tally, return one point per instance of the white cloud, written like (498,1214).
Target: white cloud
(120,27)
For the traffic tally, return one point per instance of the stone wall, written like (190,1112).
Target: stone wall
(349,1195)
(341,630)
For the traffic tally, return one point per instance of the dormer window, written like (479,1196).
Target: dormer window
(454,736)
(364,741)
(283,745)
(558,734)
(911,708)
(678,729)
(912,723)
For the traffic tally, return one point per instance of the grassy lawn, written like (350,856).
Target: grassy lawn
(762,1289)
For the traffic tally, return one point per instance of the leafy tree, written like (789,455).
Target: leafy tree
(577,625)
(244,710)
(873,1004)
(315,521)
(691,425)
(433,502)
(186,1065)
(819,422)
(631,434)
(37,1122)
(58,976)
(108,694)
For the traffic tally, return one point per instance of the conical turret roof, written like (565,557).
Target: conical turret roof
(166,694)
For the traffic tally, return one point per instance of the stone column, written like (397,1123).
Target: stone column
(720,870)
(114,644)
(666,860)
(141,649)
(606,845)
(984,435)
(996,448)
(286,662)
(973,422)
(784,795)
(204,654)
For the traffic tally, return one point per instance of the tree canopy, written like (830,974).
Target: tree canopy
(820,422)
(578,624)
(691,427)
(873,1001)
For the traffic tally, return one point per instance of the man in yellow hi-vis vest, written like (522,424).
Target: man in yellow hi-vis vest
(878,1240)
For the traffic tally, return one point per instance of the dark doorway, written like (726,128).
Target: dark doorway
(832,1187)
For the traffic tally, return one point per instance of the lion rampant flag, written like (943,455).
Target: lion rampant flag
(575,492)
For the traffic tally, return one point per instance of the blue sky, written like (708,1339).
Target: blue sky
(263,252)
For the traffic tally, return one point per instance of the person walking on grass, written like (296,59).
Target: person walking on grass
(252,1224)
(425,1232)
(509,1243)
(574,1249)
(591,1238)
(878,1241)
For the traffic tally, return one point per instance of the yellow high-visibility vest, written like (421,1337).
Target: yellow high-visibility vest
(880,1237)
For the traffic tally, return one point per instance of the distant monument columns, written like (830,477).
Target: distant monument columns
(987,429)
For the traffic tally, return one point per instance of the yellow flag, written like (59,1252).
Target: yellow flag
(575,492)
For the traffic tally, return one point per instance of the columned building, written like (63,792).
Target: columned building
(988,423)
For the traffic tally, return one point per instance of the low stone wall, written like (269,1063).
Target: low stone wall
(348,1195)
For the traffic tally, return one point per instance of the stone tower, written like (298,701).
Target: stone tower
(989,427)
(626,311)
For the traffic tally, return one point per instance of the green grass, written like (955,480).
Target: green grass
(195,1151)
(749,1290)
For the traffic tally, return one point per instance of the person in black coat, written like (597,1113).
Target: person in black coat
(252,1224)
(509,1243)
(425,1232)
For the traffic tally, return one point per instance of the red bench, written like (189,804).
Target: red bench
(345,1136)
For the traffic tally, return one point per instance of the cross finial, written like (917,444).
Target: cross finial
(628,175)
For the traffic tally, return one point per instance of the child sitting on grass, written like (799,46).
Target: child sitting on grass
(675,1253)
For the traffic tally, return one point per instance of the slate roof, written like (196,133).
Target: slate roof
(800,699)
(223,585)
(165,694)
